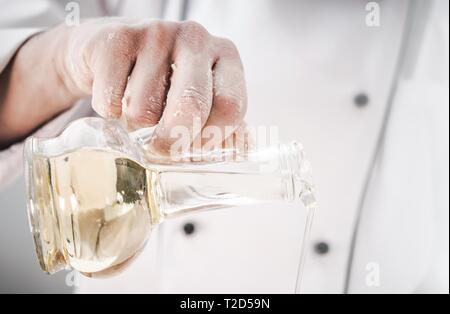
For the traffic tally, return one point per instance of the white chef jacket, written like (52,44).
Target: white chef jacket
(370,105)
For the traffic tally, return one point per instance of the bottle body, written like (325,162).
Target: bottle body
(93,207)
(90,210)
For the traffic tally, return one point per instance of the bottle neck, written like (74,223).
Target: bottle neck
(275,174)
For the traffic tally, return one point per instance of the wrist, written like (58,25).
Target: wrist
(41,61)
(32,87)
(64,64)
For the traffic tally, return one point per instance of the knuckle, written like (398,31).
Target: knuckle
(121,39)
(193,35)
(157,26)
(193,28)
(227,47)
(230,109)
(147,114)
(230,95)
(196,100)
(158,36)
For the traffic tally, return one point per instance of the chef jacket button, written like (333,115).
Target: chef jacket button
(189,228)
(322,248)
(361,100)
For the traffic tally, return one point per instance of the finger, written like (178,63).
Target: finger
(110,76)
(146,92)
(190,95)
(188,105)
(242,139)
(229,91)
(237,145)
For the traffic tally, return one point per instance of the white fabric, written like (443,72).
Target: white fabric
(305,61)
(409,190)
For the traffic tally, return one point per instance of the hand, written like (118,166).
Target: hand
(151,70)
(148,71)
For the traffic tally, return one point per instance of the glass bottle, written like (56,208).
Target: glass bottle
(94,196)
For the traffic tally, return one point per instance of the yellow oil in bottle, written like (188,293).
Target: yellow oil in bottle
(100,201)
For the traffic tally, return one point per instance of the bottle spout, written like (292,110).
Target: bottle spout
(297,174)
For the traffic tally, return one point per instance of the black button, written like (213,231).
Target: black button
(361,100)
(322,248)
(189,228)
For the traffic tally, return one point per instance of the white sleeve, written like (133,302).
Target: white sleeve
(17,23)
(11,40)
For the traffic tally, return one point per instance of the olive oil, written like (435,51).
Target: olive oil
(100,201)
